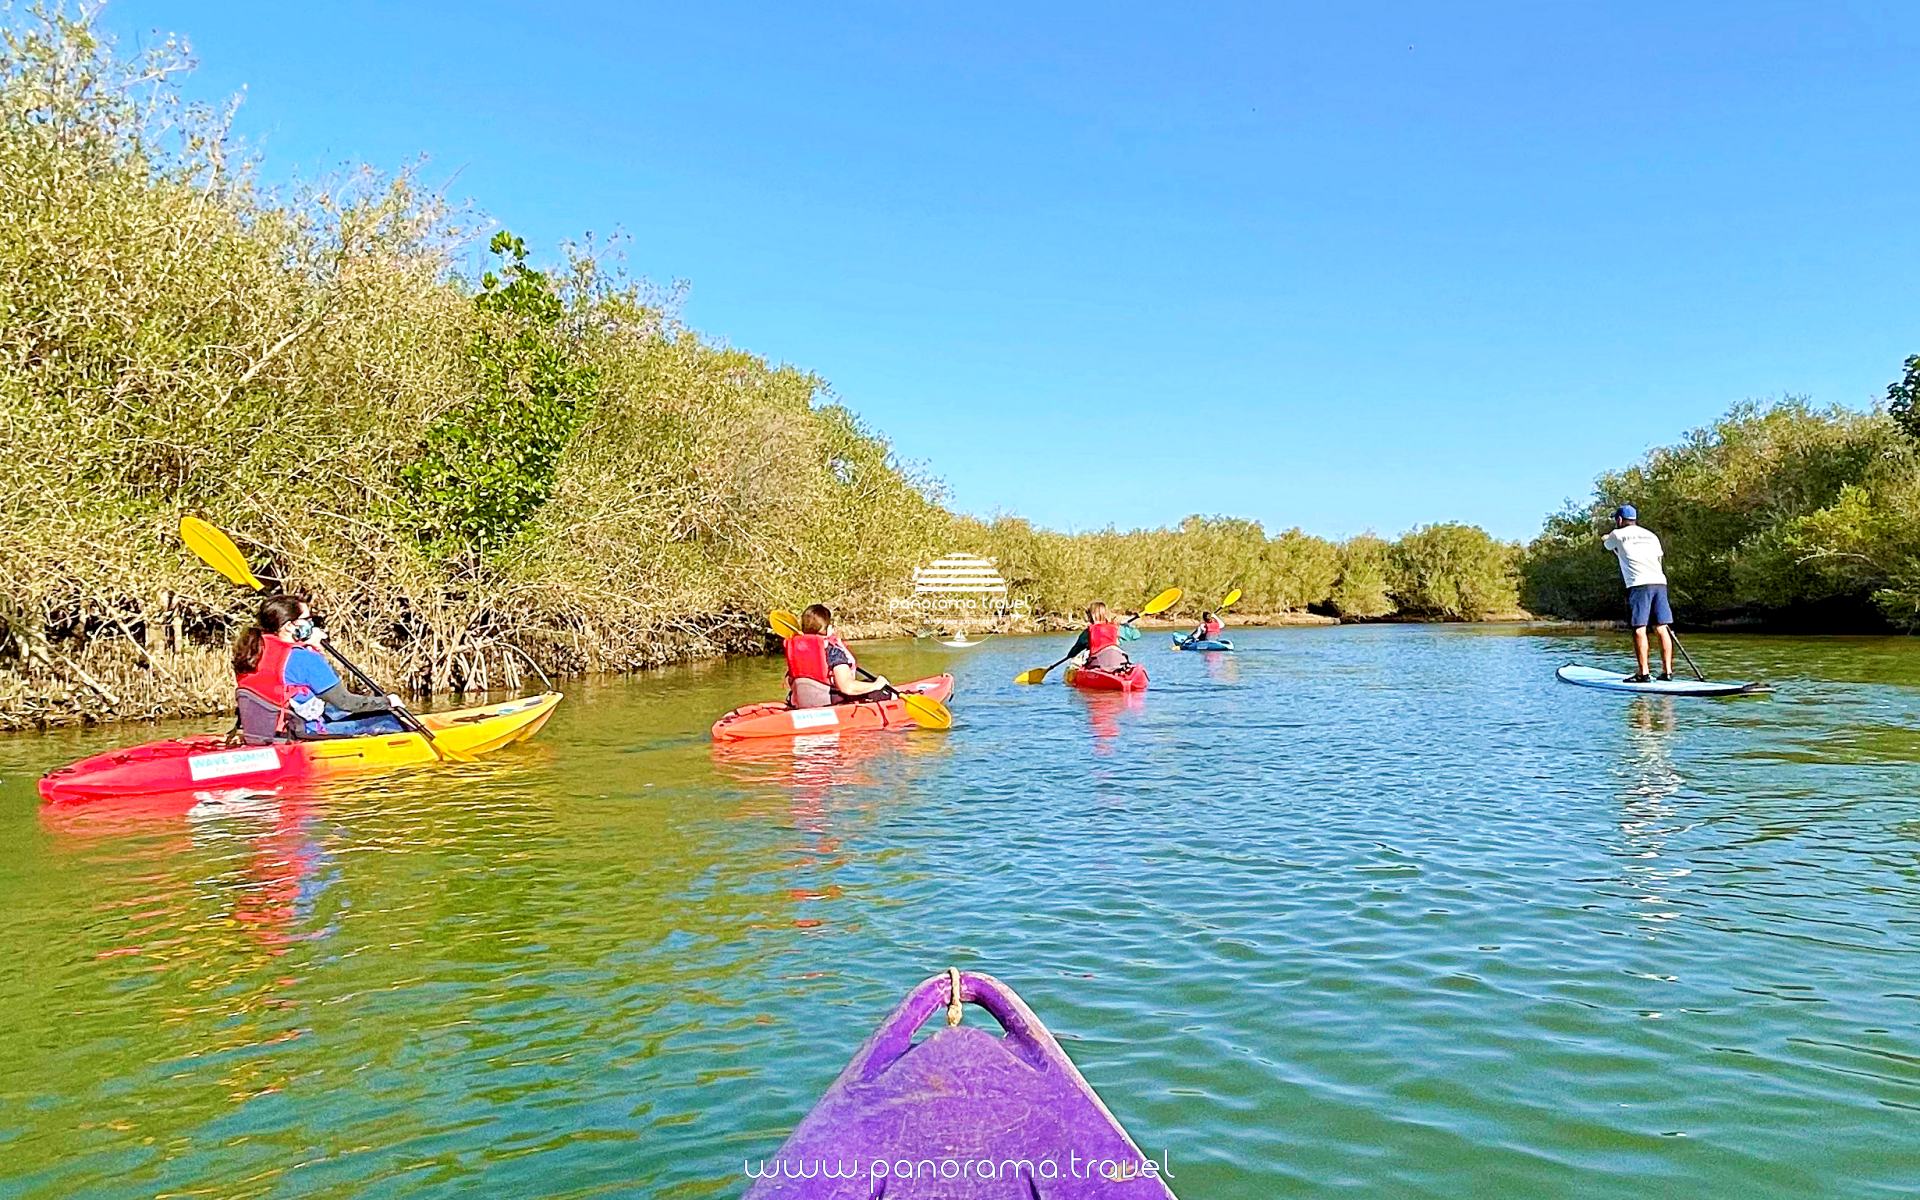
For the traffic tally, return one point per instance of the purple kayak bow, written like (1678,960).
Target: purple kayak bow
(963,1113)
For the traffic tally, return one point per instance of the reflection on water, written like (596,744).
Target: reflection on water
(1222,668)
(1373,910)
(1107,714)
(1648,817)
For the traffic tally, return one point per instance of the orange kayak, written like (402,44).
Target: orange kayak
(775,718)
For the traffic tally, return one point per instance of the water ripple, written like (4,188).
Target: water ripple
(1366,911)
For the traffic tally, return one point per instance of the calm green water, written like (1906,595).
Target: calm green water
(1358,911)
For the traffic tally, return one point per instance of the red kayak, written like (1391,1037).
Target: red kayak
(1130,678)
(205,765)
(775,718)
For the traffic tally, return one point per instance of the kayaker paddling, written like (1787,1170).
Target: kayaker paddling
(1641,568)
(821,671)
(1097,615)
(1100,640)
(284,688)
(1209,629)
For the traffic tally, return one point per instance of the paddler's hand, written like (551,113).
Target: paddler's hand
(394,701)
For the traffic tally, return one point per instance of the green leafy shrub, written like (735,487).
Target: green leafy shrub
(1362,589)
(487,466)
(1453,572)
(1742,508)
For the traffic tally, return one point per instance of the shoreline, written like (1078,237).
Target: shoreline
(129,687)
(123,685)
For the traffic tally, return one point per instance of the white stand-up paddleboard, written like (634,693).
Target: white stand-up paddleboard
(959,640)
(1613,681)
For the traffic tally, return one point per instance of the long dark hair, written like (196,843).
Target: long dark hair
(276,612)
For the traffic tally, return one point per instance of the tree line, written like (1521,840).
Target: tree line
(541,462)
(1777,514)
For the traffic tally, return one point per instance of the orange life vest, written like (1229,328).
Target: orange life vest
(1101,636)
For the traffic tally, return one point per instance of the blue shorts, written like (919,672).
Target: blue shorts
(1648,600)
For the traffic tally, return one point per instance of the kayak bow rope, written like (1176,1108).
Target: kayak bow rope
(926,712)
(217,550)
(1159,604)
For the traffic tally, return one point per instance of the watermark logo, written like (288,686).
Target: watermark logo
(951,1170)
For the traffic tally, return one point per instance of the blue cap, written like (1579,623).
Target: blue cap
(1627,512)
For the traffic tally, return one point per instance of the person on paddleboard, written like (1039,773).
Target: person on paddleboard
(820,668)
(1209,629)
(1100,640)
(285,688)
(1640,558)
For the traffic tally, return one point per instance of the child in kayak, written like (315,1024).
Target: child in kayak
(820,668)
(1100,640)
(1210,629)
(285,688)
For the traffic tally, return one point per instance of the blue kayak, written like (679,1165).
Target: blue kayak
(1201,644)
(1613,681)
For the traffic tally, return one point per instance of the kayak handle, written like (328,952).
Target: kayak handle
(1025,1035)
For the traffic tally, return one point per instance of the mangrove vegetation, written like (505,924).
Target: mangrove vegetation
(544,464)
(1782,514)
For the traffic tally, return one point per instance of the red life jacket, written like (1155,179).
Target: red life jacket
(1211,628)
(807,658)
(1101,636)
(809,678)
(264,691)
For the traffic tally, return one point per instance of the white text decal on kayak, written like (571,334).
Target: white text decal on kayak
(232,762)
(814,718)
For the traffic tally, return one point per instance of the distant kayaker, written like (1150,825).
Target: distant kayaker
(1640,558)
(1100,640)
(820,668)
(1209,630)
(285,688)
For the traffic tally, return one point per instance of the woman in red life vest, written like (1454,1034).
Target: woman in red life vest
(1210,629)
(1101,639)
(285,688)
(820,668)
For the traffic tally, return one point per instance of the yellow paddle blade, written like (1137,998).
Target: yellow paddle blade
(927,712)
(784,623)
(1036,675)
(1228,602)
(217,550)
(1161,603)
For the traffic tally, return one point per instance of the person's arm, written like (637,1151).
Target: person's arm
(307,668)
(1130,632)
(848,684)
(1611,540)
(1079,644)
(355,703)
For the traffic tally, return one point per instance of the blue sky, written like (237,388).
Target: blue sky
(1342,267)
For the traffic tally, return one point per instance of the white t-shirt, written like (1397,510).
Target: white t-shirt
(1639,553)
